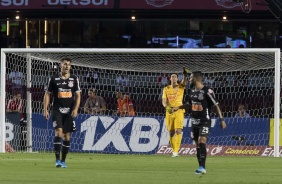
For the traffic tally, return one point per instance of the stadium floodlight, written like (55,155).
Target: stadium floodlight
(250,76)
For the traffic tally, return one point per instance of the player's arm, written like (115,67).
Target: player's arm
(184,80)
(46,99)
(222,122)
(164,98)
(211,95)
(165,103)
(46,102)
(184,106)
(77,98)
(77,103)
(166,106)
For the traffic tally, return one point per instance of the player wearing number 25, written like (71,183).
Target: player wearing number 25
(201,100)
(66,93)
(173,97)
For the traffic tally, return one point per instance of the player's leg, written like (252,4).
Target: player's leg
(195,137)
(178,126)
(67,128)
(173,143)
(57,124)
(65,148)
(203,133)
(169,125)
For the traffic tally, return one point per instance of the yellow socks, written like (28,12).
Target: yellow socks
(172,143)
(178,139)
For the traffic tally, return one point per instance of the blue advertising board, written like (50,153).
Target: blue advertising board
(111,134)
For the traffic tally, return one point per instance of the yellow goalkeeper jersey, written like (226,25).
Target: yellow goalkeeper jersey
(174,95)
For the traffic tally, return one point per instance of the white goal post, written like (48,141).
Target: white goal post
(210,61)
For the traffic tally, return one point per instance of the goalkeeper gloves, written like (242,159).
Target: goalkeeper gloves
(169,109)
(185,71)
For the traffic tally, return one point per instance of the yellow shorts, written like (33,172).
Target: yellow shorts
(175,120)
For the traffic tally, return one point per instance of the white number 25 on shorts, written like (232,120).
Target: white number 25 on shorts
(205,130)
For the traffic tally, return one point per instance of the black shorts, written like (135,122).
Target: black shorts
(64,121)
(202,129)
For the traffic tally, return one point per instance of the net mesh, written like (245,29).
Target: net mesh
(237,78)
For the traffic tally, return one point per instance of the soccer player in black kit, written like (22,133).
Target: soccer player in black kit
(201,101)
(66,94)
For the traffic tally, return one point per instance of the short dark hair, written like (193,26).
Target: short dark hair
(66,59)
(93,90)
(198,75)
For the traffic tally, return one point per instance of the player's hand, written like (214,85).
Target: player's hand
(185,71)
(169,109)
(222,124)
(46,115)
(74,113)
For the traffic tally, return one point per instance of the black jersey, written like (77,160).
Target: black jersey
(63,92)
(202,102)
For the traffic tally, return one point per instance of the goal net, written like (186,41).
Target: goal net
(244,80)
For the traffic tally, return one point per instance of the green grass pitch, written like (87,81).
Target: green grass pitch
(37,168)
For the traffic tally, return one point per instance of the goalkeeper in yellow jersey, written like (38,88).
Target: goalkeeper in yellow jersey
(173,97)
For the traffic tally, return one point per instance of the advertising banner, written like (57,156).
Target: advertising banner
(146,135)
(191,4)
(214,150)
(56,4)
(130,4)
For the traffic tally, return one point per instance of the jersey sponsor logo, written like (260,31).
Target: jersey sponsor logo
(227,3)
(70,84)
(64,110)
(64,83)
(197,107)
(71,79)
(159,3)
(64,93)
